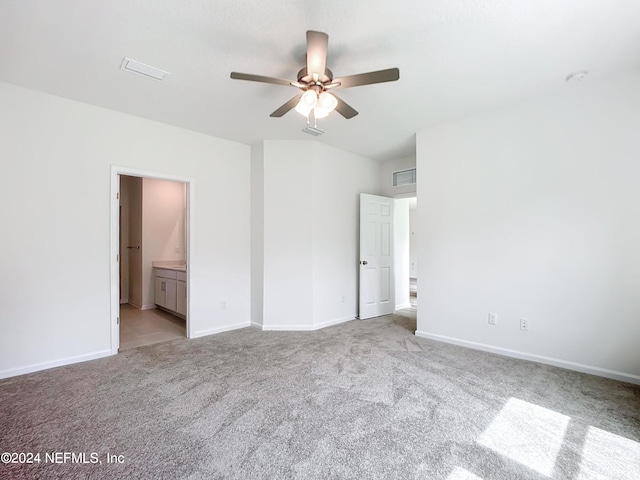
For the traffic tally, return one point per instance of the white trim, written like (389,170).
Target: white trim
(114,251)
(403,306)
(256,325)
(288,328)
(55,363)
(556,362)
(116,171)
(148,307)
(226,328)
(335,321)
(306,327)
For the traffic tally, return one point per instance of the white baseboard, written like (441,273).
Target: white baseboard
(226,328)
(403,306)
(256,325)
(54,363)
(556,362)
(148,307)
(307,327)
(288,328)
(123,301)
(335,321)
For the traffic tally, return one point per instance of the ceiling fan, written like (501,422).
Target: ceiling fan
(315,80)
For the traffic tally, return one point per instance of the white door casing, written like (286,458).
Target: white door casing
(377,279)
(114,247)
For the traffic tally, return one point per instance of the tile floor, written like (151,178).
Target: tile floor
(146,327)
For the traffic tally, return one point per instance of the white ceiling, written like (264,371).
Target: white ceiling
(455,57)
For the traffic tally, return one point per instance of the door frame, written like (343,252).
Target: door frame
(114,246)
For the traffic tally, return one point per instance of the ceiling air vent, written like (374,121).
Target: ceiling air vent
(142,69)
(405,177)
(315,131)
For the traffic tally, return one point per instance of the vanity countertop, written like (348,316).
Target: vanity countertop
(170,265)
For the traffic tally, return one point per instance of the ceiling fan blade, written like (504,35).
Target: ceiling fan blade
(317,43)
(259,78)
(380,76)
(344,109)
(286,107)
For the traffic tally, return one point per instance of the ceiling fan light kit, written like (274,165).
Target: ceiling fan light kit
(322,105)
(307,102)
(315,79)
(327,102)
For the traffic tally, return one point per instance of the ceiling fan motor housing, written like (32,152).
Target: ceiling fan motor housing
(304,77)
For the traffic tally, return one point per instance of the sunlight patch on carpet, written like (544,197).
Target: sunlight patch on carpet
(460,473)
(606,455)
(527,433)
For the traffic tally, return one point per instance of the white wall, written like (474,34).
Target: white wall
(310,236)
(386,177)
(532,211)
(163,212)
(401,245)
(288,247)
(55,300)
(338,178)
(257,233)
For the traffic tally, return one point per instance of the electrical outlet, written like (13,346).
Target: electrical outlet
(524,324)
(223,305)
(493,318)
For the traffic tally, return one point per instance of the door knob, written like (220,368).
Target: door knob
(364,262)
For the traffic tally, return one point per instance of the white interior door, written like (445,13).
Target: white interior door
(377,279)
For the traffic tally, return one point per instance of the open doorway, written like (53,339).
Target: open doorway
(406,264)
(150,221)
(413,256)
(152,235)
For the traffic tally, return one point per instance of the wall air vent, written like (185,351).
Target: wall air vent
(142,69)
(405,177)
